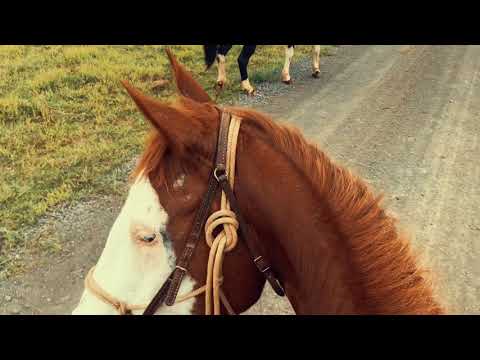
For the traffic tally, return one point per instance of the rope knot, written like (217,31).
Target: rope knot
(228,220)
(227,238)
(123,308)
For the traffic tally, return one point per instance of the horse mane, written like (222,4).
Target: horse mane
(387,269)
(382,257)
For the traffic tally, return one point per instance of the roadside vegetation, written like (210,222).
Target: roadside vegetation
(67,124)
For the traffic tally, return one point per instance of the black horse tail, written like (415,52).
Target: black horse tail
(210,54)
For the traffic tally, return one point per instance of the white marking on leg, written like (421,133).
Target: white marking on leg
(286,67)
(130,269)
(316,59)
(222,71)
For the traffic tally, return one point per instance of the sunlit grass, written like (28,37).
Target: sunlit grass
(66,122)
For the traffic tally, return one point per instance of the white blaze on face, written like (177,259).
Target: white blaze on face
(133,270)
(286,67)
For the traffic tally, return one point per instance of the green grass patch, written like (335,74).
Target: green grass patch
(66,123)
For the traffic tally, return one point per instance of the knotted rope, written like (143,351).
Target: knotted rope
(227,238)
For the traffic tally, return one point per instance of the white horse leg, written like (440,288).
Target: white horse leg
(286,67)
(316,61)
(243,60)
(222,71)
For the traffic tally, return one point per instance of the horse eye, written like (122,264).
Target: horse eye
(149,238)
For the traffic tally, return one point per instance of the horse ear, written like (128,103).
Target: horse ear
(178,127)
(186,84)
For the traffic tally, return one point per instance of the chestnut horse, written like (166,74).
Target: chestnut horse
(329,241)
(219,53)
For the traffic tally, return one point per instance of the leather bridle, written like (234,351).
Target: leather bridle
(218,178)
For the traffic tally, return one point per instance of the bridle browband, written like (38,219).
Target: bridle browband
(218,178)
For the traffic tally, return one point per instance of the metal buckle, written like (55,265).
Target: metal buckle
(224,174)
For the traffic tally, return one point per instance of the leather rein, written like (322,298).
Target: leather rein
(167,294)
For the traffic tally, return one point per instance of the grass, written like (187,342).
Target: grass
(66,122)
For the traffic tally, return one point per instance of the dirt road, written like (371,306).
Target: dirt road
(406,118)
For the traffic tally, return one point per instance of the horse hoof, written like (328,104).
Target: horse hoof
(250,92)
(219,87)
(288,82)
(316,74)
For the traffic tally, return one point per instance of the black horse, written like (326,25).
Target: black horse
(219,53)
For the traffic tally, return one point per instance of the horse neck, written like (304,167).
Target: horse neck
(333,246)
(302,245)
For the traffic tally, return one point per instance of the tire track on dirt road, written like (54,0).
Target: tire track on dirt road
(448,213)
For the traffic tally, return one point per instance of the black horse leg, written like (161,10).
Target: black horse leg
(224,49)
(243,60)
